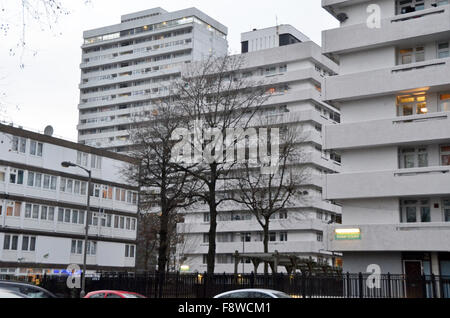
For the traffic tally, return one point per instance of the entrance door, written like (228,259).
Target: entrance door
(414,282)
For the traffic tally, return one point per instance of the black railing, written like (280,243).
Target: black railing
(179,285)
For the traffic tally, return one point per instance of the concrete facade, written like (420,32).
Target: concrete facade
(43,206)
(393,90)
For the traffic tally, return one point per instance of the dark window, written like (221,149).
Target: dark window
(287,39)
(244,47)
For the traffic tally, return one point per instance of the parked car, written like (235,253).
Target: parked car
(29,290)
(4,293)
(113,294)
(253,294)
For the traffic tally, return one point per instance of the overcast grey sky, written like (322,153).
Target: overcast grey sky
(45,91)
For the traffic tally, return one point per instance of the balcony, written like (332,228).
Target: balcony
(429,181)
(415,26)
(430,237)
(392,80)
(433,127)
(306,247)
(253,226)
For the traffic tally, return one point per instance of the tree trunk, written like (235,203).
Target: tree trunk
(211,257)
(266,245)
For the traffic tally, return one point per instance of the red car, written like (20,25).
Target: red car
(113,294)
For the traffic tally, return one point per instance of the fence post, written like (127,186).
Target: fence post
(361,285)
(205,283)
(176,284)
(433,284)
(349,286)
(389,285)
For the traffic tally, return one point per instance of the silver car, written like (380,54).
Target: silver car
(253,294)
(4,293)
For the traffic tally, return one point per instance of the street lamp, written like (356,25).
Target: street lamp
(67,164)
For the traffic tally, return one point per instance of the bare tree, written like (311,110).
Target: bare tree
(164,187)
(217,101)
(21,15)
(266,193)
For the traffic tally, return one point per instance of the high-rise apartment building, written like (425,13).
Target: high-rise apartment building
(43,206)
(393,90)
(295,69)
(127,66)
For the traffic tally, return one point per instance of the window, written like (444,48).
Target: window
(77,187)
(19,144)
(272,237)
(67,215)
(443,50)
(414,157)
(38,180)
(13,209)
(44,213)
(69,186)
(35,212)
(407,6)
(62,185)
(91,248)
(51,213)
(283,215)
(30,179)
(116,222)
(283,68)
(82,159)
(75,217)
(81,217)
(25,243)
(60,215)
(129,251)
(412,105)
(96,162)
(83,188)
(2,174)
(77,247)
(447,210)
(16,176)
(128,224)
(283,237)
(14,243)
(412,55)
(445,155)
(444,102)
(6,242)
(319,237)
(246,237)
(36,148)
(206,218)
(414,210)
(28,208)
(122,222)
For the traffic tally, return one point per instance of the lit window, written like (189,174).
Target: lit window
(445,155)
(412,105)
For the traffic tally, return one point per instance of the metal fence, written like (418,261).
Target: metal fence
(179,285)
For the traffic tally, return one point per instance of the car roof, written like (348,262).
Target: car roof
(24,284)
(261,290)
(112,291)
(6,292)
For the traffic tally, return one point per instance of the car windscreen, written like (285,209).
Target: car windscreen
(132,296)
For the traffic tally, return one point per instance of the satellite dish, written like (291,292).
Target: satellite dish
(48,131)
(342,17)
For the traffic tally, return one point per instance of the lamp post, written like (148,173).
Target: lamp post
(67,164)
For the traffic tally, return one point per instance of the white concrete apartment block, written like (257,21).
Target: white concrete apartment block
(393,91)
(43,206)
(127,66)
